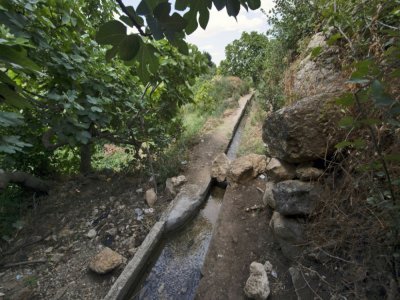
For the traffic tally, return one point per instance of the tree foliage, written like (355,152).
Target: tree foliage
(58,90)
(245,57)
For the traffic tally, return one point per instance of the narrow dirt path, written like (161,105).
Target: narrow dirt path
(239,238)
(213,143)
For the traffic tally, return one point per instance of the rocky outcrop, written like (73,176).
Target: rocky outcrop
(247,167)
(279,170)
(220,167)
(314,74)
(257,285)
(289,232)
(305,131)
(106,261)
(294,197)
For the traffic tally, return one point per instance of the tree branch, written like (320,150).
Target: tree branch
(132,18)
(24,179)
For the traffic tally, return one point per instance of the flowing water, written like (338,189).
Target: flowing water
(175,271)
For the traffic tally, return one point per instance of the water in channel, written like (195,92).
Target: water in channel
(176,272)
(176,268)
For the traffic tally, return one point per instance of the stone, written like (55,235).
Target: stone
(280,170)
(220,167)
(247,167)
(294,197)
(257,285)
(185,204)
(172,184)
(91,233)
(268,267)
(112,231)
(308,173)
(289,232)
(268,197)
(305,131)
(151,197)
(48,250)
(105,261)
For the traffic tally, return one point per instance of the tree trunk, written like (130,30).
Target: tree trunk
(86,159)
(23,179)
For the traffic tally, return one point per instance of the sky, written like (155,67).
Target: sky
(222,29)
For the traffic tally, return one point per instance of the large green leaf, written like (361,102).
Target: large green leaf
(129,47)
(13,98)
(17,56)
(148,62)
(254,4)
(203,18)
(12,144)
(219,4)
(10,119)
(379,96)
(111,33)
(181,4)
(233,7)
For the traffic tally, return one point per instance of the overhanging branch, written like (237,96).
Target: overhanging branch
(132,18)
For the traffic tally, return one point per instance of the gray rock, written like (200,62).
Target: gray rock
(185,204)
(105,261)
(289,232)
(268,197)
(112,231)
(220,167)
(308,173)
(294,197)
(257,285)
(172,184)
(268,266)
(151,197)
(280,170)
(247,167)
(91,233)
(305,131)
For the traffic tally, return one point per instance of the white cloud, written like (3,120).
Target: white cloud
(222,29)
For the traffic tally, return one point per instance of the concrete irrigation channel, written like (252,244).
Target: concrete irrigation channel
(168,263)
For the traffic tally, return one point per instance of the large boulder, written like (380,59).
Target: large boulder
(294,197)
(247,167)
(257,285)
(280,170)
(220,167)
(289,232)
(305,131)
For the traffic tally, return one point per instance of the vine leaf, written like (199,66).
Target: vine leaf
(111,33)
